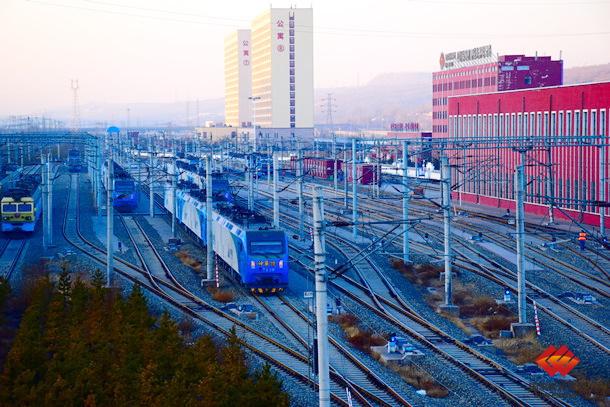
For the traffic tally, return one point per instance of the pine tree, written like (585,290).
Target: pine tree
(64,285)
(97,279)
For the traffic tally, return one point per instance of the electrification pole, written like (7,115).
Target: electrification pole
(321,297)
(209,236)
(49,203)
(276,198)
(602,188)
(268,162)
(250,184)
(45,202)
(446,192)
(405,206)
(300,176)
(335,162)
(354,191)
(519,192)
(174,177)
(109,220)
(151,181)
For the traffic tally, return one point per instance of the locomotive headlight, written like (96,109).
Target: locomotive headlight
(252,264)
(281,264)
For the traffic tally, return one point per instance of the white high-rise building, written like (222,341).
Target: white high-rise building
(282,68)
(238,79)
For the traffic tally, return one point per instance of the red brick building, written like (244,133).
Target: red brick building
(571,174)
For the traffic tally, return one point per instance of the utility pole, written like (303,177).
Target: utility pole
(45,202)
(98,174)
(151,181)
(521,328)
(75,108)
(268,162)
(49,202)
(602,187)
(109,219)
(276,198)
(405,206)
(345,175)
(250,184)
(335,181)
(209,236)
(321,297)
(354,191)
(174,178)
(300,176)
(446,193)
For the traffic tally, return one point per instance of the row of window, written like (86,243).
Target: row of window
(467,84)
(292,72)
(456,73)
(439,102)
(440,115)
(553,124)
(439,128)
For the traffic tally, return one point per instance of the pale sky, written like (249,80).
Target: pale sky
(162,50)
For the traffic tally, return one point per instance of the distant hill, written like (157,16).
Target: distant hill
(584,74)
(387,98)
(407,96)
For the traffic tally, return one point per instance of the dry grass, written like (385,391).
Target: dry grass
(520,350)
(357,336)
(492,325)
(420,379)
(189,260)
(457,321)
(221,295)
(420,274)
(596,390)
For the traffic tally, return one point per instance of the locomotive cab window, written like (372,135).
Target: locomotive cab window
(267,247)
(24,207)
(9,208)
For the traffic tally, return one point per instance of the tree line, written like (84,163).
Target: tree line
(81,344)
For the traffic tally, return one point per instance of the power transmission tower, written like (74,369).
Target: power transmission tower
(75,113)
(329,105)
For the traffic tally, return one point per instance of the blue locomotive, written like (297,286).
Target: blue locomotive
(255,252)
(125,197)
(74,161)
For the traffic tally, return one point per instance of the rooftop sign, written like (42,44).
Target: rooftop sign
(468,57)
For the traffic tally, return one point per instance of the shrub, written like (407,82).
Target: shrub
(492,325)
(421,380)
(223,295)
(521,350)
(189,260)
(597,390)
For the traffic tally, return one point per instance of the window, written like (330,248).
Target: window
(513,125)
(553,124)
(519,125)
(545,127)
(602,122)
(24,207)
(568,124)
(585,123)
(576,128)
(495,125)
(532,121)
(560,125)
(539,125)
(527,80)
(594,122)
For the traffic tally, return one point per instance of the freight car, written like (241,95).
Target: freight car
(256,253)
(20,206)
(323,168)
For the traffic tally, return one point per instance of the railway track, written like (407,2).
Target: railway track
(584,326)
(391,307)
(288,360)
(11,254)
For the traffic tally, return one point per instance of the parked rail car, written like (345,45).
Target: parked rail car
(20,206)
(323,168)
(74,161)
(125,196)
(255,252)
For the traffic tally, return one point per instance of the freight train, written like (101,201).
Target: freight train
(366,174)
(125,196)
(20,207)
(255,252)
